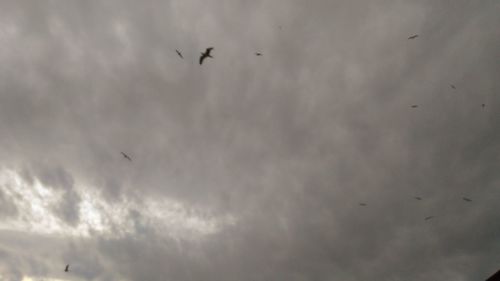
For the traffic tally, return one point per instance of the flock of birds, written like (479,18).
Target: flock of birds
(416,106)
(468,200)
(208,54)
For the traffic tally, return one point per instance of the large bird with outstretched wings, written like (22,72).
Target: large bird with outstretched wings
(206,54)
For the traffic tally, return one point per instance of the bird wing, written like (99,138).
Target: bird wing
(413,37)
(202,58)
(179,53)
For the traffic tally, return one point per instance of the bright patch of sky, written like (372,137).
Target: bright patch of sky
(36,202)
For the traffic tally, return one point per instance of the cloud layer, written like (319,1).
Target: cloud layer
(247,167)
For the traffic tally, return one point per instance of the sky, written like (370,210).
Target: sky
(249,167)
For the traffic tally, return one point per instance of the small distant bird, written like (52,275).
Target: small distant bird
(483,105)
(418,198)
(206,54)
(362,204)
(67,268)
(179,53)
(453,87)
(428,218)
(467,199)
(127,157)
(413,37)
(414,106)
(258,54)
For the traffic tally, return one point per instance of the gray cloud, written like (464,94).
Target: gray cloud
(288,143)
(7,207)
(68,207)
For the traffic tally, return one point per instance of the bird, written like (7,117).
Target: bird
(418,198)
(258,54)
(206,54)
(414,106)
(466,199)
(453,87)
(67,268)
(362,204)
(127,157)
(483,105)
(428,218)
(413,37)
(179,53)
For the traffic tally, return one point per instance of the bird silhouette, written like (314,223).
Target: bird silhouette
(258,54)
(414,106)
(67,268)
(362,204)
(206,54)
(418,198)
(179,53)
(413,37)
(428,218)
(483,105)
(466,199)
(453,87)
(127,157)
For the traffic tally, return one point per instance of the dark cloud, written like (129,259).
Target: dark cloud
(288,144)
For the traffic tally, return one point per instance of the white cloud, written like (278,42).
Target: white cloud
(97,217)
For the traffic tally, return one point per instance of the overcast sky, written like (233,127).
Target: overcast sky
(249,167)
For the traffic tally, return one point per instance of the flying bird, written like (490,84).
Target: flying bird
(467,199)
(453,87)
(67,268)
(127,157)
(258,54)
(414,106)
(413,37)
(206,54)
(179,53)
(418,198)
(362,204)
(428,218)
(483,105)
